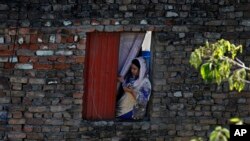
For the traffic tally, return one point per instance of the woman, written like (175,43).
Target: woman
(137,90)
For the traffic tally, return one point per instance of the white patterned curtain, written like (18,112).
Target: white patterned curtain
(130,46)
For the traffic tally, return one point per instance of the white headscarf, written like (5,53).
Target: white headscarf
(142,73)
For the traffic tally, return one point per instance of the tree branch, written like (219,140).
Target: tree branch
(236,63)
(246,81)
(240,61)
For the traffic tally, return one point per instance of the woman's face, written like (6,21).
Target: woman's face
(134,70)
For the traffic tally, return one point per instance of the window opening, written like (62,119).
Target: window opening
(100,93)
(135,88)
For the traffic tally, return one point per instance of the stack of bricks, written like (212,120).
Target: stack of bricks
(44,71)
(42,60)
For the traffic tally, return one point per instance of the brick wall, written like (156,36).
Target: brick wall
(41,84)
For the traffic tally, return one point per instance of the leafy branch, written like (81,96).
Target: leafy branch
(221,133)
(217,63)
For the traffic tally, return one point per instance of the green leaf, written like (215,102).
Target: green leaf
(223,138)
(236,80)
(234,120)
(231,84)
(218,128)
(206,72)
(219,134)
(218,53)
(195,59)
(226,132)
(241,74)
(207,44)
(233,54)
(228,45)
(241,49)
(224,69)
(218,76)
(213,136)
(241,86)
(215,62)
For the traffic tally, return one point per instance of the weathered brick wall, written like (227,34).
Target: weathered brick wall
(41,84)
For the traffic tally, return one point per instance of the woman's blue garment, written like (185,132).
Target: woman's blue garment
(130,107)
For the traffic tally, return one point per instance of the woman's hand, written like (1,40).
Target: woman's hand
(120,79)
(129,90)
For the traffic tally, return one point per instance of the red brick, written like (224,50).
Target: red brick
(42,59)
(70,39)
(42,66)
(53,46)
(23,59)
(52,58)
(63,39)
(24,46)
(77,95)
(11,47)
(4,46)
(80,59)
(61,59)
(33,38)
(28,128)
(61,66)
(33,47)
(6,52)
(9,65)
(23,31)
(82,41)
(17,114)
(17,121)
(33,59)
(33,31)
(77,22)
